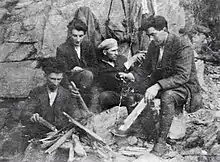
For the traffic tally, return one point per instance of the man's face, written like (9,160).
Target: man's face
(53,80)
(112,53)
(77,36)
(158,36)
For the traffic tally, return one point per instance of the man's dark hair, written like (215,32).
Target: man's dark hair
(51,65)
(78,25)
(157,22)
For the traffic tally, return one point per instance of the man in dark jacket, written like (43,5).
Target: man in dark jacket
(49,101)
(110,64)
(79,56)
(168,73)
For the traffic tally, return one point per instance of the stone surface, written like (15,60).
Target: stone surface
(105,121)
(3,114)
(34,28)
(17,79)
(3,11)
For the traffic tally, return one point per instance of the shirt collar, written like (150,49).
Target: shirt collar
(109,62)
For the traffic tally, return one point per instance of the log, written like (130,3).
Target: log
(75,92)
(133,116)
(47,124)
(60,141)
(91,133)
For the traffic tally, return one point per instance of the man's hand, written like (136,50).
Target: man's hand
(151,93)
(138,57)
(35,118)
(128,76)
(77,69)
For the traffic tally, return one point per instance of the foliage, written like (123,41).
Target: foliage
(205,12)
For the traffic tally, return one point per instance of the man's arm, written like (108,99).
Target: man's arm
(92,61)
(29,109)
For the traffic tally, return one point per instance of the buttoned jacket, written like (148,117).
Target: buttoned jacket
(177,67)
(38,102)
(67,53)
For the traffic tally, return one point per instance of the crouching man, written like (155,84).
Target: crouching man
(49,101)
(168,73)
(108,80)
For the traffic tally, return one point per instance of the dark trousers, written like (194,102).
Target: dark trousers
(171,101)
(83,80)
(109,99)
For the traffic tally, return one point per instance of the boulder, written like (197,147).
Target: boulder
(34,28)
(17,79)
(104,122)
(3,114)
(3,12)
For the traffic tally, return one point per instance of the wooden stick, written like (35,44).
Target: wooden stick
(60,141)
(47,124)
(91,133)
(75,92)
(133,116)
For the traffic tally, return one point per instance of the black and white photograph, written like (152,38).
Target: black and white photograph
(109,81)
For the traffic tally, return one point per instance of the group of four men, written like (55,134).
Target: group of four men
(167,72)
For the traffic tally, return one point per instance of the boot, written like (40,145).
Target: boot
(160,148)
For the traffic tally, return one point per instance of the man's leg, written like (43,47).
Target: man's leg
(108,99)
(83,79)
(170,100)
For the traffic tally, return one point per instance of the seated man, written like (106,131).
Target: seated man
(79,56)
(168,73)
(111,63)
(49,101)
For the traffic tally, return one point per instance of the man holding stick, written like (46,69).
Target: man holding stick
(168,73)
(47,103)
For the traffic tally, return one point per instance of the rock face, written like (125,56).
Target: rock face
(17,79)
(34,28)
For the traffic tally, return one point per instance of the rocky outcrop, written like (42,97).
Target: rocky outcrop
(34,28)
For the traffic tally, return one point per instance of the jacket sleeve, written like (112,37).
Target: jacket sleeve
(182,61)
(92,61)
(144,70)
(29,108)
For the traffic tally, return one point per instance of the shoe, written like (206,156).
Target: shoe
(160,149)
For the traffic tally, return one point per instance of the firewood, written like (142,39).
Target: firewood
(60,141)
(47,124)
(76,92)
(48,143)
(89,132)
(69,145)
(133,116)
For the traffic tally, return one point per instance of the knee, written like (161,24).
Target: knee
(86,78)
(167,97)
(103,96)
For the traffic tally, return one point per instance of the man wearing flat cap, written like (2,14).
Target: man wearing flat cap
(110,64)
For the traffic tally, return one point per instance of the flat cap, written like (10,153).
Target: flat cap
(108,43)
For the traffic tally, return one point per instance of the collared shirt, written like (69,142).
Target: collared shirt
(110,63)
(160,56)
(52,96)
(78,51)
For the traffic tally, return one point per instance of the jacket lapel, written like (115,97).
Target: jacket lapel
(73,51)
(167,50)
(155,54)
(44,99)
